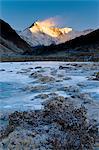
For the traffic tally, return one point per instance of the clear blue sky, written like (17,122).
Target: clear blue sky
(76,14)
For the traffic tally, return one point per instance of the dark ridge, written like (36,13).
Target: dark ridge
(91,38)
(84,42)
(9,34)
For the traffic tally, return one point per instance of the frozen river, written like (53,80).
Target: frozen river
(21,84)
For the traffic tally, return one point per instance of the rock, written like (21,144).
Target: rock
(20,139)
(38,67)
(42,96)
(53,72)
(21,72)
(74,64)
(35,88)
(70,89)
(96,76)
(59,98)
(83,97)
(81,84)
(64,115)
(30,68)
(63,67)
(2,69)
(58,126)
(35,75)
(53,94)
(54,99)
(59,80)
(10,71)
(41,70)
(60,75)
(26,70)
(67,78)
(46,79)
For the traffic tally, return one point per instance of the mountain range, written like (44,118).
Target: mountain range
(46,33)
(80,47)
(45,39)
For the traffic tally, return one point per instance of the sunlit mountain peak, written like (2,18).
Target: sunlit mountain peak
(49,32)
(49,27)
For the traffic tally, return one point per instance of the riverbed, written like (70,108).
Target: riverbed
(22,87)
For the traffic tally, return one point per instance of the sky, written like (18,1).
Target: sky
(77,14)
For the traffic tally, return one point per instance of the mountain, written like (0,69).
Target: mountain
(47,33)
(46,37)
(10,41)
(80,47)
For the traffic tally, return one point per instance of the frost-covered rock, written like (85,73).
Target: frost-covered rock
(45,79)
(59,126)
(35,75)
(35,88)
(70,88)
(84,97)
(42,96)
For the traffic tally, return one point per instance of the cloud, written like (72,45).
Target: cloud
(50,22)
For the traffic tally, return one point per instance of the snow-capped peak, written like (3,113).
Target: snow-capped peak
(46,33)
(49,29)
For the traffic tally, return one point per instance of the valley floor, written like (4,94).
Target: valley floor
(47,104)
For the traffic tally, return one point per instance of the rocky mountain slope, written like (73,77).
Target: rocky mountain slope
(10,41)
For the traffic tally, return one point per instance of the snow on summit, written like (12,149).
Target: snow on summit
(47,32)
(49,27)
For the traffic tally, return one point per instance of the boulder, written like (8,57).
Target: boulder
(46,79)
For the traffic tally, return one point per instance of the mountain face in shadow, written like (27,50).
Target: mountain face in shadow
(10,41)
(89,39)
(83,43)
